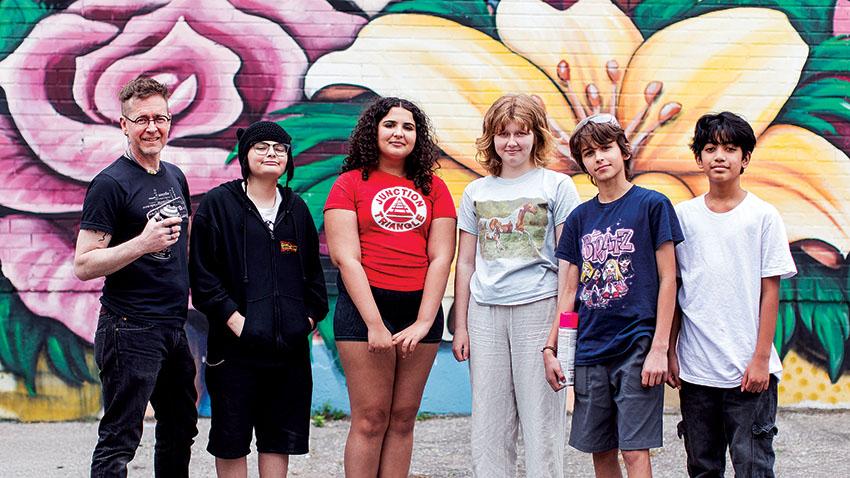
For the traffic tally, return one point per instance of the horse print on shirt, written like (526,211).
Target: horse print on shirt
(511,229)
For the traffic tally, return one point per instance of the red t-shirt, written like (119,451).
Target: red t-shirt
(393,219)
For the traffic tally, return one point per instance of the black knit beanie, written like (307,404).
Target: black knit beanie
(262,131)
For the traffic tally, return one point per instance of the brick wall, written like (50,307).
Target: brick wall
(312,64)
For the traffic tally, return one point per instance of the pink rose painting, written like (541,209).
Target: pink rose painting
(227,64)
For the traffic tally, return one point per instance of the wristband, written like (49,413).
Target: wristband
(550,347)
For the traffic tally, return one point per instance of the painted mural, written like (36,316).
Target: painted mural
(312,65)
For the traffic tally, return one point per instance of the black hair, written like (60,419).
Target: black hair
(363,153)
(723,128)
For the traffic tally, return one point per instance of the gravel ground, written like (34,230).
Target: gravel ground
(810,444)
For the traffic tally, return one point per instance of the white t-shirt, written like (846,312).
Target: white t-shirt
(269,214)
(515,221)
(721,263)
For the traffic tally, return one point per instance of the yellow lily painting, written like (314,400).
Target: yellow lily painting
(591,58)
(657,75)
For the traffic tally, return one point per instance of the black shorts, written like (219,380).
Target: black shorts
(274,400)
(398,310)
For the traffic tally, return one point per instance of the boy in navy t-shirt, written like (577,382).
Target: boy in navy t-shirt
(618,265)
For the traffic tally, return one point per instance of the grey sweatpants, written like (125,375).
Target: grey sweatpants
(509,389)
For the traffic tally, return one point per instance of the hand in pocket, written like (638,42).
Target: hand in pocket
(236,322)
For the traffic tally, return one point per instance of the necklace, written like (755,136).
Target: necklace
(132,157)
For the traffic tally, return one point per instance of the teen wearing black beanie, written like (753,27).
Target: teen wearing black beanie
(255,273)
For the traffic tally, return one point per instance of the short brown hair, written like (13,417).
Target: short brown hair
(141,87)
(593,135)
(526,111)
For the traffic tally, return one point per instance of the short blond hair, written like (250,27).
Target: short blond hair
(529,114)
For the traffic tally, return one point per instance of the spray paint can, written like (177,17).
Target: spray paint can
(164,213)
(567,335)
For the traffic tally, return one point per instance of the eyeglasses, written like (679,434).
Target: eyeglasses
(263,148)
(143,122)
(599,118)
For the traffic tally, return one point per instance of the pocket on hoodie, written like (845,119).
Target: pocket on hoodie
(258,330)
(294,325)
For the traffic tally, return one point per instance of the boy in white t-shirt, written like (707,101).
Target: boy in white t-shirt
(723,359)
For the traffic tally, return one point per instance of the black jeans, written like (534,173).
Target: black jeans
(713,418)
(141,362)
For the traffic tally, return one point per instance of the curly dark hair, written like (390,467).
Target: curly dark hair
(363,152)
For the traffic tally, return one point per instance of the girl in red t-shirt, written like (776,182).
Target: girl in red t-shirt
(390,225)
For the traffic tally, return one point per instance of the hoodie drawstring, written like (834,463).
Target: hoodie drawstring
(245,244)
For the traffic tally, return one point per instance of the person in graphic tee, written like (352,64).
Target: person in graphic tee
(131,232)
(390,226)
(618,264)
(723,358)
(506,283)
(256,275)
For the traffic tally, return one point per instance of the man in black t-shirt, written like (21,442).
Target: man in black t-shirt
(131,232)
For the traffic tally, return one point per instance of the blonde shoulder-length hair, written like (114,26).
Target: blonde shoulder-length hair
(530,115)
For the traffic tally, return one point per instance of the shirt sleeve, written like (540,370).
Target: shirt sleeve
(444,205)
(566,199)
(568,246)
(341,195)
(681,246)
(776,257)
(186,196)
(467,220)
(664,223)
(101,205)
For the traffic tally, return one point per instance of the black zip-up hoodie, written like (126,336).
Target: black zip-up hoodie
(273,278)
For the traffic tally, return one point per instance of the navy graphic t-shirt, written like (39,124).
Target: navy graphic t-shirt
(119,201)
(613,245)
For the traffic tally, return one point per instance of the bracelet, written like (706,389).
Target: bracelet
(550,347)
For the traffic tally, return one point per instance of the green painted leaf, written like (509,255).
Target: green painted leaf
(820,296)
(27,338)
(7,357)
(326,330)
(786,319)
(823,97)
(824,89)
(805,289)
(17,19)
(321,108)
(811,18)
(832,328)
(814,281)
(24,335)
(311,124)
(310,175)
(472,13)
(832,55)
(59,361)
(806,313)
(75,351)
(653,15)
(315,199)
